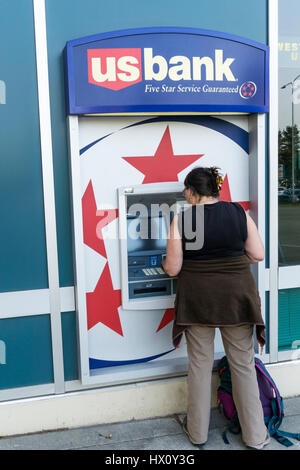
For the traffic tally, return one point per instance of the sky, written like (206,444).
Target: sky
(289,60)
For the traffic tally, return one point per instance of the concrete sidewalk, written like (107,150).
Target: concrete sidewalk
(151,434)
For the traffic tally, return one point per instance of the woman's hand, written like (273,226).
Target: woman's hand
(173,261)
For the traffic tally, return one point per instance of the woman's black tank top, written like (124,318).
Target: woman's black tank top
(224,235)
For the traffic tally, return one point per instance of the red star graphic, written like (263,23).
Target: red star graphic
(167,318)
(225,194)
(103,303)
(94,220)
(164,165)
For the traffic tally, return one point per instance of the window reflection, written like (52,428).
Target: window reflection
(289,132)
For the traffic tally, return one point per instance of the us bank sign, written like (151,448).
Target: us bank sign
(156,70)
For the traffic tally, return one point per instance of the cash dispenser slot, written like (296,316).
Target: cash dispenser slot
(150,290)
(147,289)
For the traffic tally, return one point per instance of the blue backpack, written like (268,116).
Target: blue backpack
(270,398)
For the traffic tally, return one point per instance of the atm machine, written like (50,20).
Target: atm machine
(145,215)
(145,106)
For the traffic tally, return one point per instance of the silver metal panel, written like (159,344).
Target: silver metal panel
(48,190)
(33,302)
(27,392)
(273,180)
(78,255)
(257,194)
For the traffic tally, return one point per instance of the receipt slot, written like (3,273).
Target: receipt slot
(145,215)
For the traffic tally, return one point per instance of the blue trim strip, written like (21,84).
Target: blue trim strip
(98,363)
(233,132)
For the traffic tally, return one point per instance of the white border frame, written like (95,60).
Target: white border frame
(257,196)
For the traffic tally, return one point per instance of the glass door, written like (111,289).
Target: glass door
(288,179)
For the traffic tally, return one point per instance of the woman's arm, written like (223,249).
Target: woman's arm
(173,262)
(254,246)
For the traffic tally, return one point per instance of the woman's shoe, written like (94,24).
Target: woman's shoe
(184,427)
(263,444)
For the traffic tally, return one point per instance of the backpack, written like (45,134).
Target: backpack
(270,398)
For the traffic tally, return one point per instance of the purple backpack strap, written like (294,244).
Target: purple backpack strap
(267,387)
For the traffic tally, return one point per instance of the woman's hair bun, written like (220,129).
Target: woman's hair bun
(206,181)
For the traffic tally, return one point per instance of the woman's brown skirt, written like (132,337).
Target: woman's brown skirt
(217,292)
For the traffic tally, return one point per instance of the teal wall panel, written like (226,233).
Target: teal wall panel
(288,318)
(22,236)
(72,19)
(68,320)
(267,322)
(26,351)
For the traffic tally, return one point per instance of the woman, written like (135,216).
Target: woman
(215,288)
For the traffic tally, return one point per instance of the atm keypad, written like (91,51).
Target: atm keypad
(153,271)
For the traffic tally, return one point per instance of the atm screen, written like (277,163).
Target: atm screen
(146,218)
(146,233)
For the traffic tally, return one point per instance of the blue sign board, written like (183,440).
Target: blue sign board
(154,70)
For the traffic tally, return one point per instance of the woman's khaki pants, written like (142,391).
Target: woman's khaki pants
(239,349)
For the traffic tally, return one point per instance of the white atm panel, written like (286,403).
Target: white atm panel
(125,339)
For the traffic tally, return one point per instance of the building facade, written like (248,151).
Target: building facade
(41,359)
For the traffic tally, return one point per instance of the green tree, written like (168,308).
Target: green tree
(285,150)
